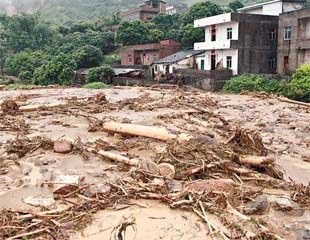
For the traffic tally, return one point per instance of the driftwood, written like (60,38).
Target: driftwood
(115,157)
(282,99)
(191,171)
(256,161)
(32,108)
(159,133)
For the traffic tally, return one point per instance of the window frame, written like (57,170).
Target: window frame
(130,58)
(287,33)
(272,35)
(229,33)
(229,60)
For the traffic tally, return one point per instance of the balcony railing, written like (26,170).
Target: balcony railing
(226,44)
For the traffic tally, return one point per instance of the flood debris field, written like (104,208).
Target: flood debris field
(152,163)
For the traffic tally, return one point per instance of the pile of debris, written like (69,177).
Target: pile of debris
(223,172)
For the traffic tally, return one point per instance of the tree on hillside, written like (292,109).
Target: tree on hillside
(59,70)
(235,5)
(133,32)
(25,61)
(87,56)
(201,10)
(101,73)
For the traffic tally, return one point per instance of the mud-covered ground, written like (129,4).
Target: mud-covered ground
(265,200)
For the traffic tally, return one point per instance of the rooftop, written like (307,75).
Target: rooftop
(269,2)
(178,56)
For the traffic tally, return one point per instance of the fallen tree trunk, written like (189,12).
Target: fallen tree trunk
(144,131)
(256,161)
(282,99)
(32,108)
(115,157)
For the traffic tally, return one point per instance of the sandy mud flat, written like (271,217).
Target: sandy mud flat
(152,163)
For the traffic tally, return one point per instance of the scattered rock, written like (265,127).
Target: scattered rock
(286,205)
(62,146)
(166,170)
(259,206)
(219,185)
(40,201)
(66,184)
(95,190)
(302,234)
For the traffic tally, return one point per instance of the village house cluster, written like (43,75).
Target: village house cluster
(267,38)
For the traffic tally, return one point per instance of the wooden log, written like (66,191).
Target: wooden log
(159,133)
(191,171)
(282,99)
(256,161)
(115,157)
(32,108)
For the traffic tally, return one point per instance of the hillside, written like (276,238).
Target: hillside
(68,10)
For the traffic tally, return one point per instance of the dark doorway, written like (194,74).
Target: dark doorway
(286,64)
(213,62)
(202,65)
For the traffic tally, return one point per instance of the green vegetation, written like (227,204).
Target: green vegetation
(100,74)
(252,82)
(235,5)
(298,88)
(96,85)
(177,27)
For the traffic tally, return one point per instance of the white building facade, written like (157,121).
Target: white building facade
(244,43)
(220,31)
(273,8)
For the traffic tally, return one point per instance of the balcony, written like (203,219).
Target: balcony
(227,44)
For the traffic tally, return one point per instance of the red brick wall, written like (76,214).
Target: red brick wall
(143,54)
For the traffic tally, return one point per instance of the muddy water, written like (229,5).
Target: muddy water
(153,221)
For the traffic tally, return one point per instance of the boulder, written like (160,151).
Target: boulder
(286,205)
(219,185)
(39,201)
(259,206)
(62,146)
(166,170)
(66,184)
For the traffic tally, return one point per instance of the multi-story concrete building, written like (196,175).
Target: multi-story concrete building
(273,8)
(294,40)
(176,9)
(146,54)
(244,43)
(146,11)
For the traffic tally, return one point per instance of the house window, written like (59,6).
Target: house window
(129,58)
(287,33)
(213,35)
(228,62)
(229,33)
(156,68)
(155,58)
(273,35)
(271,63)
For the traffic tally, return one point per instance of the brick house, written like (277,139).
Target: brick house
(244,43)
(146,11)
(294,40)
(146,54)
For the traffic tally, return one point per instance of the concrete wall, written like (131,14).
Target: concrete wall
(208,80)
(298,47)
(255,47)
